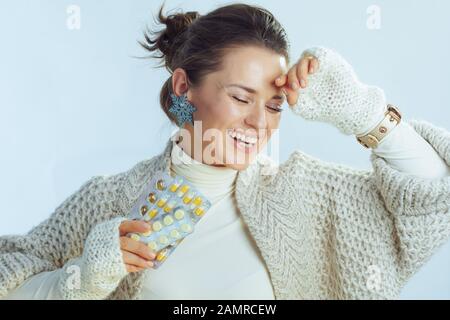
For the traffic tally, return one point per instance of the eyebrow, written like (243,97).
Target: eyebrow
(251,90)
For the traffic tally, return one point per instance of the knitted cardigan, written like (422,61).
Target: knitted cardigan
(325,230)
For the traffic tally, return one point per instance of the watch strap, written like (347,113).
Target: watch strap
(390,121)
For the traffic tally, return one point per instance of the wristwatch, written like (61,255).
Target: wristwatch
(390,121)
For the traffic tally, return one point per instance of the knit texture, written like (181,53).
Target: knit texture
(329,231)
(335,95)
(325,230)
(63,237)
(100,268)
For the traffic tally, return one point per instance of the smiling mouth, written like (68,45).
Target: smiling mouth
(242,140)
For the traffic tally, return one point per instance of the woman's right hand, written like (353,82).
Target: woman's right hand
(136,255)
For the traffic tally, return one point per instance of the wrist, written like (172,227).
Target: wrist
(373,123)
(375,136)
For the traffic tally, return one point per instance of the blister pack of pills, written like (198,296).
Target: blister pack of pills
(172,206)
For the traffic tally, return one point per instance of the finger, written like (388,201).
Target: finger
(292,85)
(131,268)
(293,81)
(136,247)
(314,65)
(135,260)
(303,70)
(281,80)
(138,226)
(291,96)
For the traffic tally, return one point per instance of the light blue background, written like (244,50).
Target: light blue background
(74,103)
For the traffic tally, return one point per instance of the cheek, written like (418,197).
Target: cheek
(218,113)
(273,123)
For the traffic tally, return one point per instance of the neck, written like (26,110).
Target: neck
(215,182)
(194,149)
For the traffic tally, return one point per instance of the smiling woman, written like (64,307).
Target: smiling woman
(306,228)
(229,76)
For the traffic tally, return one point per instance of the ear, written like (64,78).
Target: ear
(179,81)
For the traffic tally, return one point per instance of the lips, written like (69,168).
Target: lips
(247,140)
(243,146)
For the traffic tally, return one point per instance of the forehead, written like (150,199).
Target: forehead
(252,65)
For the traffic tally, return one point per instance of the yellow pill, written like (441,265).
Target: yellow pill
(197,201)
(169,206)
(174,187)
(152,213)
(135,237)
(151,197)
(179,214)
(161,202)
(146,234)
(174,233)
(144,210)
(161,256)
(163,239)
(160,185)
(157,226)
(152,245)
(168,220)
(183,189)
(199,211)
(186,227)
(187,199)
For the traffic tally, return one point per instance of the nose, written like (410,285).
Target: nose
(256,118)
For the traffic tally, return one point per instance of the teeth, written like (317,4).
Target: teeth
(251,140)
(241,137)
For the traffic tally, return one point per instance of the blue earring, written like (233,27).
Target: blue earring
(182,109)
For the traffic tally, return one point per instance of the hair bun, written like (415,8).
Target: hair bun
(176,26)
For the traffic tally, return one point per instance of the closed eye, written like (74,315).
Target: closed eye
(278,108)
(243,101)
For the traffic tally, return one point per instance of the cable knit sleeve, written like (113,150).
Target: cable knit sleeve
(406,194)
(59,240)
(420,206)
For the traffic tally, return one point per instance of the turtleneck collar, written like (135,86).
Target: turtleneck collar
(214,182)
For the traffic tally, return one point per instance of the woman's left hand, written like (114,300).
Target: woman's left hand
(323,86)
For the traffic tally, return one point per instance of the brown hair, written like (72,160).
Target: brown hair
(198,43)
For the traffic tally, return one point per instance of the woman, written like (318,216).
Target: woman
(304,229)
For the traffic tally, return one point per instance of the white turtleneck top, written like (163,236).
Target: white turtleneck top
(220,260)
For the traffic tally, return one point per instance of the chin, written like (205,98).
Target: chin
(238,158)
(239,167)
